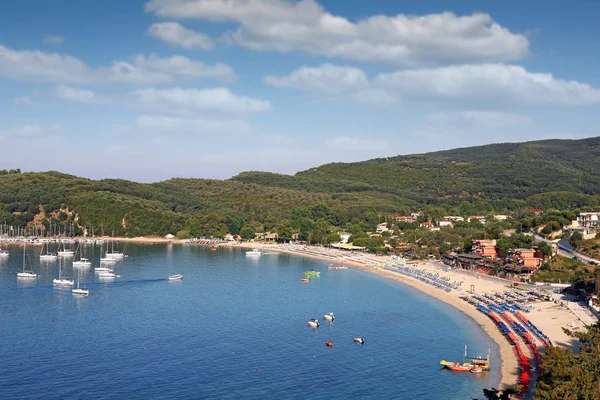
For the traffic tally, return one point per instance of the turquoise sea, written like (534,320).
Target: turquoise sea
(234,328)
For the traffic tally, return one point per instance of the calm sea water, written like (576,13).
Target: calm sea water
(234,328)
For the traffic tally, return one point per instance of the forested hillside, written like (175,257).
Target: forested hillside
(498,173)
(552,174)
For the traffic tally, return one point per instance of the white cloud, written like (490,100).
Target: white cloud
(21,100)
(75,95)
(327,79)
(199,126)
(479,118)
(54,39)
(176,35)
(32,132)
(490,84)
(184,67)
(38,66)
(217,99)
(285,25)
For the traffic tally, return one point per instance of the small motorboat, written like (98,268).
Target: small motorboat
(313,323)
(359,340)
(304,280)
(476,370)
(4,253)
(102,269)
(176,277)
(213,248)
(457,367)
(254,252)
(328,317)
(312,272)
(328,344)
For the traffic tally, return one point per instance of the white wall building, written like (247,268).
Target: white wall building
(344,236)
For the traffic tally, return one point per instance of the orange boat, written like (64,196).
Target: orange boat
(328,344)
(304,280)
(457,367)
(213,248)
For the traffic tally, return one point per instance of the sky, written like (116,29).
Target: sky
(150,90)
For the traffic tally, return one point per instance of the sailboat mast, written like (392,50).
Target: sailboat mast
(24,245)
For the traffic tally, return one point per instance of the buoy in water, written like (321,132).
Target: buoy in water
(328,344)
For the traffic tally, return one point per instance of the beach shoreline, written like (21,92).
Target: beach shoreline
(550,317)
(508,363)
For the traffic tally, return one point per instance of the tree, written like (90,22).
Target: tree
(545,248)
(576,239)
(570,376)
(247,232)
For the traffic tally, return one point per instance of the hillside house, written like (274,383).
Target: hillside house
(382,227)
(446,222)
(501,217)
(409,219)
(479,218)
(454,218)
(344,236)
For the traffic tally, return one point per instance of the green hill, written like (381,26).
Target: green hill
(498,177)
(495,172)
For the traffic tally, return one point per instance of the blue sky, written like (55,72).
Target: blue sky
(148,90)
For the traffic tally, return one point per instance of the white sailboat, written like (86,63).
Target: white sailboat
(26,274)
(47,256)
(110,274)
(80,290)
(64,252)
(82,262)
(105,260)
(62,281)
(117,255)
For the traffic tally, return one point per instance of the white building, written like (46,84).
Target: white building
(344,236)
(382,227)
(454,218)
(588,219)
(446,222)
(501,217)
(588,223)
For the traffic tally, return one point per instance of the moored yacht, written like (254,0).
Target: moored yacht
(62,281)
(4,253)
(107,274)
(254,252)
(82,262)
(26,274)
(176,277)
(80,290)
(47,256)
